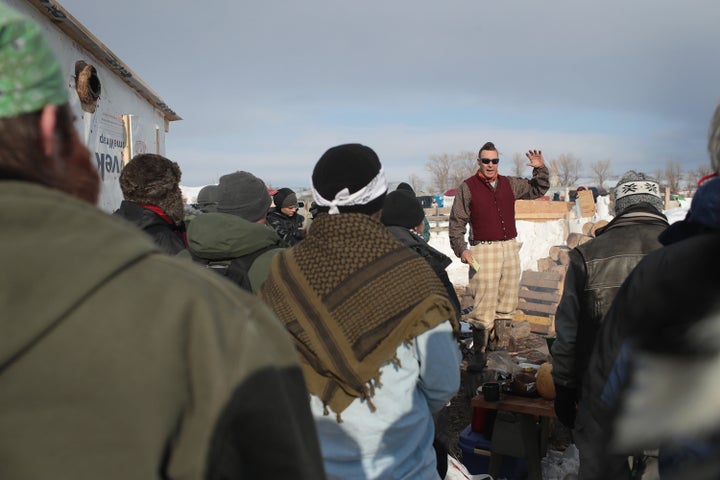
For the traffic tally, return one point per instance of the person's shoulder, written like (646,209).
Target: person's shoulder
(213,304)
(197,287)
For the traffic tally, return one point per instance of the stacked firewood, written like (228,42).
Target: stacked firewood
(558,257)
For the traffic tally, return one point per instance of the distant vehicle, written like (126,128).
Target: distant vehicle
(426,201)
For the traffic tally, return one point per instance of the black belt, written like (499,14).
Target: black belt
(486,242)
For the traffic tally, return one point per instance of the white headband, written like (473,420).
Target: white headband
(638,187)
(344,198)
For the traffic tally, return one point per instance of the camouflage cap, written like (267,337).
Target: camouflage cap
(30,73)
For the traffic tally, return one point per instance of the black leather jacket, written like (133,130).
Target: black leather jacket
(596,272)
(169,237)
(288,228)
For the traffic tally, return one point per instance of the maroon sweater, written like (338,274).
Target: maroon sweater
(462,212)
(492,210)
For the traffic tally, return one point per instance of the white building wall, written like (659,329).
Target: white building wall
(103,131)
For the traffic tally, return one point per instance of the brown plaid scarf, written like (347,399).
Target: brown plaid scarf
(350,294)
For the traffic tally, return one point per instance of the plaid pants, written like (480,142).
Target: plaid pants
(495,287)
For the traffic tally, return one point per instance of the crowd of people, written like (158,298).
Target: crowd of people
(325,352)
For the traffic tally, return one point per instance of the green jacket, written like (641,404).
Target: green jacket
(221,236)
(120,362)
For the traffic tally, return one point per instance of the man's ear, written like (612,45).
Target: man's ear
(48,121)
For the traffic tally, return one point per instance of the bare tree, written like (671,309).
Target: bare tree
(694,176)
(660,176)
(416,183)
(464,166)
(601,171)
(673,175)
(519,164)
(449,170)
(566,168)
(439,167)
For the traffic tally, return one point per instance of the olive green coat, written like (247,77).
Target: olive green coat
(222,236)
(119,362)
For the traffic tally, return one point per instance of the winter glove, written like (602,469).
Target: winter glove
(566,405)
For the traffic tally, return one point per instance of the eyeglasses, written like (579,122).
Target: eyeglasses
(485,161)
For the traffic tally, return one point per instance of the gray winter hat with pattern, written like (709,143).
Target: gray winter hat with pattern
(243,194)
(636,187)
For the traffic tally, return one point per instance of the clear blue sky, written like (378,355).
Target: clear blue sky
(268,86)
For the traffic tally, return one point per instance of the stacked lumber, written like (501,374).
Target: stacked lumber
(539,295)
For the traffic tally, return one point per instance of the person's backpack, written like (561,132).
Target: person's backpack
(235,269)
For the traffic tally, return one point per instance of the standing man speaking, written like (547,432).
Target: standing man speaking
(487,202)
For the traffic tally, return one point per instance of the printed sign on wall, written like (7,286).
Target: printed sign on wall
(107,142)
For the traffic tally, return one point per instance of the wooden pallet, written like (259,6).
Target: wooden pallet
(539,295)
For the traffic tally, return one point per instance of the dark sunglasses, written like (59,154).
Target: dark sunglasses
(495,161)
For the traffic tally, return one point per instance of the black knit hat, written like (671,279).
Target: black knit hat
(405,186)
(284,198)
(155,180)
(352,166)
(403,209)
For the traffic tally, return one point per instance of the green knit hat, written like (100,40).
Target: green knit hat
(30,74)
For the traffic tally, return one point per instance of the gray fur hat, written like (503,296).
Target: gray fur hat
(636,187)
(155,180)
(243,194)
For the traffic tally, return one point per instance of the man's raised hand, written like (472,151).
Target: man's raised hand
(536,158)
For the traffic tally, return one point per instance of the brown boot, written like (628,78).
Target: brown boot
(502,333)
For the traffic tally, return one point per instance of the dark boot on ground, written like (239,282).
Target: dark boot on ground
(480,341)
(502,333)
(478,361)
